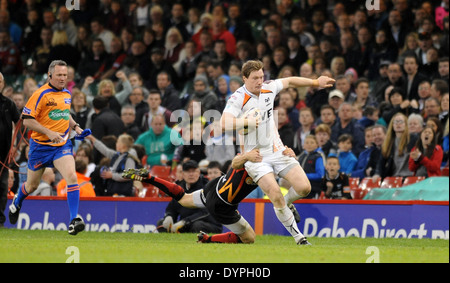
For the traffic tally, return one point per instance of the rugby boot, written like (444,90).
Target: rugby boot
(295,212)
(76,225)
(304,242)
(13,212)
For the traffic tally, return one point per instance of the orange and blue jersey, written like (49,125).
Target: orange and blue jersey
(51,108)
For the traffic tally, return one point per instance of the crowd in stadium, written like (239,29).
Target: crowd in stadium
(134,63)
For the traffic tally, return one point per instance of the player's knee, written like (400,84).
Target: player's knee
(72,178)
(248,237)
(306,190)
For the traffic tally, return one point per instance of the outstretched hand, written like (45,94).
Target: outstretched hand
(325,81)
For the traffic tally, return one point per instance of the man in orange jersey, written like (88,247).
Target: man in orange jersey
(47,114)
(221,197)
(86,187)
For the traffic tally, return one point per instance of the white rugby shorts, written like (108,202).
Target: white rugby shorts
(276,163)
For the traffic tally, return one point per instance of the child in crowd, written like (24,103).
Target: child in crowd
(124,156)
(335,183)
(312,161)
(345,155)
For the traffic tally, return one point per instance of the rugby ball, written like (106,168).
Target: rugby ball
(254,113)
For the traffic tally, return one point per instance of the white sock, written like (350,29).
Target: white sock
(286,218)
(291,196)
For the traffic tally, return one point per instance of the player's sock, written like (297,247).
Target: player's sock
(73,199)
(173,190)
(228,237)
(21,195)
(286,217)
(291,196)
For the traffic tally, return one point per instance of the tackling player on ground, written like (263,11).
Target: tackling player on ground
(221,197)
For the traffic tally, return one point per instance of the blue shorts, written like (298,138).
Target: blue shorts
(41,156)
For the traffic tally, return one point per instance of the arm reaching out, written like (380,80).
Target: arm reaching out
(321,82)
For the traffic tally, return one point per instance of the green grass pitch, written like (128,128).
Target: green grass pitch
(94,247)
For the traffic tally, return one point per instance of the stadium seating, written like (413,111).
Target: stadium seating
(358,193)
(369,183)
(161,171)
(445,171)
(392,182)
(359,189)
(412,180)
(152,191)
(353,182)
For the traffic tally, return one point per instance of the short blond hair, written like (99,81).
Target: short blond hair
(127,140)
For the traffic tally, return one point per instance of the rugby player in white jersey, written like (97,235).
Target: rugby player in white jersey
(262,133)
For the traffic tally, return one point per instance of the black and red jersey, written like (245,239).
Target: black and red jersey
(233,187)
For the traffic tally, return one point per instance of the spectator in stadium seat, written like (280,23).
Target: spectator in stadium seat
(61,49)
(413,76)
(86,187)
(155,108)
(100,32)
(306,119)
(173,44)
(426,156)
(395,149)
(10,61)
(399,103)
(137,100)
(90,65)
(237,24)
(431,108)
(368,159)
(443,68)
(114,61)
(122,156)
(169,94)
(437,127)
(84,41)
(287,102)
(345,155)
(424,92)
(128,116)
(312,161)
(41,52)
(116,19)
(438,88)
(204,94)
(150,69)
(158,141)
(64,22)
(323,134)
(13,29)
(106,122)
(415,123)
(285,128)
(79,107)
(348,125)
(219,31)
(335,183)
(327,116)
(335,99)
